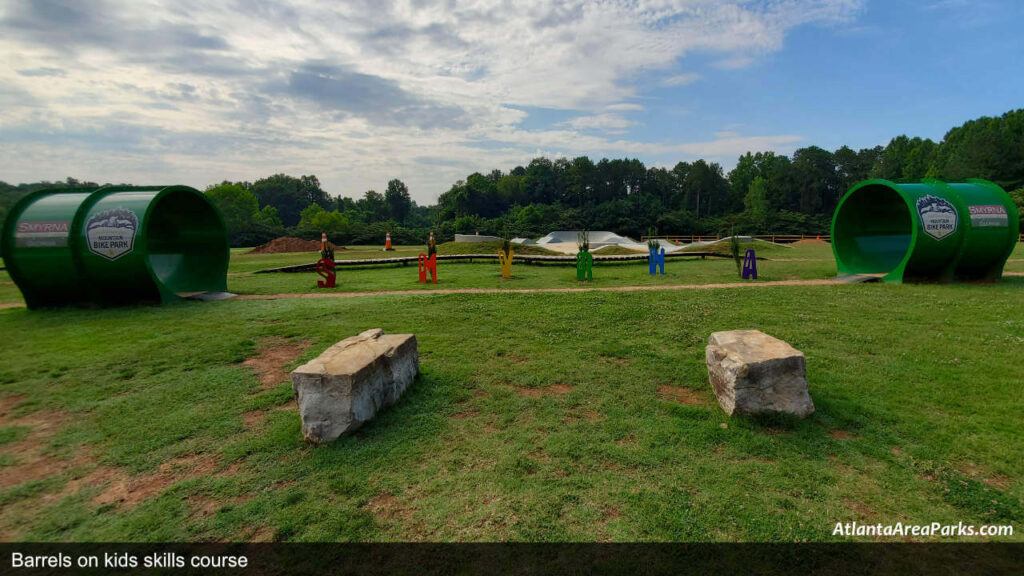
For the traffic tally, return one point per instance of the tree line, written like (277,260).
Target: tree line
(764,193)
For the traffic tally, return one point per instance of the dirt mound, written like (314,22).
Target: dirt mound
(289,244)
(810,241)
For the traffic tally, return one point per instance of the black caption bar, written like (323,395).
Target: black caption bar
(424,559)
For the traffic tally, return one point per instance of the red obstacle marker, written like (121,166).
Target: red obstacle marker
(325,265)
(325,268)
(428,264)
(387,242)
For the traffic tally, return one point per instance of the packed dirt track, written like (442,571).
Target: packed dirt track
(823,282)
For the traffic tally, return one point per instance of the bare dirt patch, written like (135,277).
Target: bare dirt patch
(253,418)
(998,482)
(129,491)
(33,463)
(588,414)
(34,466)
(274,355)
(981,474)
(386,506)
(29,453)
(626,441)
(681,395)
(466,414)
(862,510)
(616,360)
(203,506)
(7,404)
(539,455)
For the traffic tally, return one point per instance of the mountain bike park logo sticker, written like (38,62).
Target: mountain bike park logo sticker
(111,234)
(938,216)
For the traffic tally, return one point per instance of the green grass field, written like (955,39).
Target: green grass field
(540,417)
(804,262)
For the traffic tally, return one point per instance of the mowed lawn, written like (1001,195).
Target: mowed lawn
(538,417)
(799,262)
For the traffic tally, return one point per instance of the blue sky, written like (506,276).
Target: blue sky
(365,91)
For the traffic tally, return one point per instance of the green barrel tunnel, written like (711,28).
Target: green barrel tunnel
(925,231)
(115,245)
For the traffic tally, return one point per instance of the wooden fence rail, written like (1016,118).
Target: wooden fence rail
(778,238)
(525,259)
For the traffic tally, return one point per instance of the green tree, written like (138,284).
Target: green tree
(905,158)
(539,185)
(373,206)
(288,194)
(315,219)
(815,173)
(510,189)
(268,217)
(705,189)
(756,204)
(581,181)
(236,205)
(398,200)
(1018,199)
(990,148)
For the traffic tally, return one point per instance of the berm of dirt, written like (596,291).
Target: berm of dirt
(289,244)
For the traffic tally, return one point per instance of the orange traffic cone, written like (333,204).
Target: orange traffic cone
(387,242)
(323,241)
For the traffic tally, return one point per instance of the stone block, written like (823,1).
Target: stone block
(754,373)
(351,381)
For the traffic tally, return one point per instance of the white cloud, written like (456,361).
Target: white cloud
(680,79)
(624,107)
(357,92)
(607,123)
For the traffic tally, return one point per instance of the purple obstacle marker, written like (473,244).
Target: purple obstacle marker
(749,265)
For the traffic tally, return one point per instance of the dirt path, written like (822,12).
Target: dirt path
(821,282)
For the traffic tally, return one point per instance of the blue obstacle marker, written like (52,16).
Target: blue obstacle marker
(749,265)
(656,260)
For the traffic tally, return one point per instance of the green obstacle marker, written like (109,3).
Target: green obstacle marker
(925,231)
(584,266)
(115,245)
(584,260)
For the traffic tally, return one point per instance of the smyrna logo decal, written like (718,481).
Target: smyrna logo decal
(938,216)
(111,234)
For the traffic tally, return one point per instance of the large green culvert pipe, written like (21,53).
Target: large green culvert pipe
(925,231)
(115,245)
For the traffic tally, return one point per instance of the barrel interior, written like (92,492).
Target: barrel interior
(185,244)
(873,230)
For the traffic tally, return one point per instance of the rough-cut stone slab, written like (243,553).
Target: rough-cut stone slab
(346,385)
(754,373)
